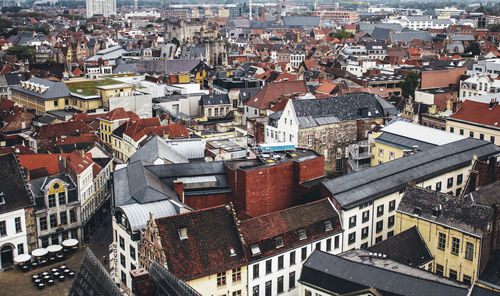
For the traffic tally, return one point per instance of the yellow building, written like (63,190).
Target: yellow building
(110,121)
(455,230)
(478,119)
(113,90)
(41,95)
(402,138)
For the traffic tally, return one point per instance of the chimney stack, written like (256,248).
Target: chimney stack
(141,282)
(179,189)
(415,148)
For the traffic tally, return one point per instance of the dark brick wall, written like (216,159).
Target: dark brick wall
(207,200)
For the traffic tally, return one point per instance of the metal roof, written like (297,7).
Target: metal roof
(421,133)
(369,184)
(356,270)
(138,214)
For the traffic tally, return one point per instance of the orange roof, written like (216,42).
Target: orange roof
(478,112)
(272,92)
(326,88)
(136,129)
(119,113)
(286,77)
(85,138)
(173,131)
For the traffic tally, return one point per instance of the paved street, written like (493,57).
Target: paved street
(17,283)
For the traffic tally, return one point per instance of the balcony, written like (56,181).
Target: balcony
(360,150)
(357,166)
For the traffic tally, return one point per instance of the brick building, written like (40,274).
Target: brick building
(268,184)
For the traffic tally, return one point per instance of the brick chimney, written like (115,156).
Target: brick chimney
(142,284)
(179,189)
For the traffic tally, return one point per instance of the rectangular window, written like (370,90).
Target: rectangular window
(236,274)
(307,293)
(256,271)
(72,216)
(452,130)
(269,286)
(237,293)
(481,137)
(269,266)
(378,239)
(18,224)
(292,258)
(442,241)
(471,134)
(302,234)
(390,233)
(461,132)
(280,262)
(124,277)
(438,186)
(255,291)
(381,152)
(328,244)
(380,210)
(469,251)
(365,216)
(460,179)
(352,238)
(392,205)
(450,182)
(309,140)
(20,249)
(380,226)
(122,243)
(390,221)
(467,280)
(52,200)
(280,284)
(455,246)
(453,274)
(492,139)
(352,222)
(123,262)
(291,280)
(62,198)
(63,216)
(53,221)
(279,242)
(337,242)
(43,223)
(391,155)
(132,253)
(364,232)
(221,279)
(303,254)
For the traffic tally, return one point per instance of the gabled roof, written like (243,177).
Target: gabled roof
(136,130)
(406,247)
(93,279)
(117,114)
(54,89)
(167,284)
(355,271)
(458,213)
(272,93)
(157,148)
(392,176)
(210,235)
(315,112)
(13,187)
(215,100)
(478,113)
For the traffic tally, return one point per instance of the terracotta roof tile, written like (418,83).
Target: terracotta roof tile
(478,112)
(136,128)
(272,93)
(63,129)
(211,233)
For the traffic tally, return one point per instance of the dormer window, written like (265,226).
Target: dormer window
(232,252)
(183,233)
(255,250)
(328,225)
(279,242)
(302,234)
(2,198)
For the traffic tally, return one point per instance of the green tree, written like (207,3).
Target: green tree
(410,84)
(22,52)
(343,34)
(474,48)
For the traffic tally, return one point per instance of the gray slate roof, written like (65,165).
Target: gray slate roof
(215,100)
(55,89)
(380,33)
(408,36)
(137,184)
(374,182)
(301,21)
(158,148)
(315,112)
(459,213)
(369,28)
(157,66)
(354,271)
(168,284)
(93,279)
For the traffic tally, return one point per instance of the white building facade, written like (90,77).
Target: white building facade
(100,7)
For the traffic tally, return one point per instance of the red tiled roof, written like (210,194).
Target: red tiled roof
(6,104)
(478,112)
(37,161)
(85,138)
(286,223)
(136,129)
(16,120)
(78,162)
(119,113)
(326,88)
(18,149)
(286,77)
(273,91)
(63,129)
(210,235)
(280,106)
(174,131)
(77,72)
